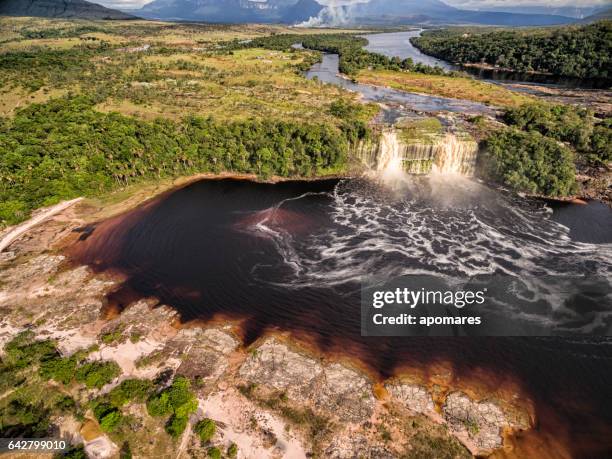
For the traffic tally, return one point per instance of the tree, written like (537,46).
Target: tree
(530,162)
(205,428)
(574,51)
(111,421)
(176,425)
(130,389)
(97,374)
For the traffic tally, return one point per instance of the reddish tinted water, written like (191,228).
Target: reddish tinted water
(288,257)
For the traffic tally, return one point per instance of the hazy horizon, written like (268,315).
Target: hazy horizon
(486,5)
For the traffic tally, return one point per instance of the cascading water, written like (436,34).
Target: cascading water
(390,166)
(391,158)
(456,156)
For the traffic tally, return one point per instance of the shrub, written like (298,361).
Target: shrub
(111,421)
(75,452)
(176,425)
(111,337)
(601,143)
(65,403)
(214,453)
(24,350)
(125,452)
(232,450)
(101,408)
(59,369)
(159,405)
(176,399)
(10,378)
(97,374)
(130,389)
(205,428)
(108,416)
(21,418)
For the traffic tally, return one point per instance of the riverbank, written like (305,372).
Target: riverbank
(302,401)
(452,87)
(282,379)
(599,100)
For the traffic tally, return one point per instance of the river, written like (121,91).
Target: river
(327,72)
(397,44)
(290,257)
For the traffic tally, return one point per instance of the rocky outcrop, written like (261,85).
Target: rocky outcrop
(356,446)
(479,424)
(203,352)
(333,389)
(413,397)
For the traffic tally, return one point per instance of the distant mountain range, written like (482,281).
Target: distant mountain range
(59,9)
(374,12)
(437,12)
(236,11)
(605,14)
(577,11)
(383,12)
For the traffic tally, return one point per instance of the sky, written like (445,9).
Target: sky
(468,4)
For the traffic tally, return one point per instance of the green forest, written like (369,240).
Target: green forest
(65,148)
(539,150)
(572,51)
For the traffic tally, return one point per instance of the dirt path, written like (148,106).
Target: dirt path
(184,441)
(20,230)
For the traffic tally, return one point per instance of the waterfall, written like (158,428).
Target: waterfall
(391,158)
(456,157)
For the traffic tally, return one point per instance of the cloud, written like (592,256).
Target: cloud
(514,3)
(475,4)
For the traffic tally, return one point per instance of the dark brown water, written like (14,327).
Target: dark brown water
(289,257)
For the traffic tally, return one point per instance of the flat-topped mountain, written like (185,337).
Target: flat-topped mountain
(383,12)
(59,9)
(237,11)
(438,12)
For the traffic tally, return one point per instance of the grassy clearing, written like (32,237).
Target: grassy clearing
(18,97)
(459,88)
(182,73)
(251,83)
(425,130)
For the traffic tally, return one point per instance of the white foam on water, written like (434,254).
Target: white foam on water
(444,225)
